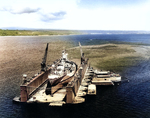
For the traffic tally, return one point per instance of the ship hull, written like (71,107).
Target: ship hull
(56,83)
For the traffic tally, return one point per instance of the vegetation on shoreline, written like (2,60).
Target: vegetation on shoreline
(37,32)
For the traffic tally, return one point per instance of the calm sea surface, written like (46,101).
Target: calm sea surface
(128,100)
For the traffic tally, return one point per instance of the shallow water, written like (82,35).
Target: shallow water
(126,100)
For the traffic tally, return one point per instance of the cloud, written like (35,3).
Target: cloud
(115,3)
(76,14)
(20,10)
(46,17)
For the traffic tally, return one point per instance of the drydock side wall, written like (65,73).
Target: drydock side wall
(73,85)
(28,89)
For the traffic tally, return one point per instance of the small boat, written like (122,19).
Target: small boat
(109,75)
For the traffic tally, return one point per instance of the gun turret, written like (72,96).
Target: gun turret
(43,64)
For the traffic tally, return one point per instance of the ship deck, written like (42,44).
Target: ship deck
(102,81)
(41,97)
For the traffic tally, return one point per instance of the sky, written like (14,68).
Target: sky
(76,14)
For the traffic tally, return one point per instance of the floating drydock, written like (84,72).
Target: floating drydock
(82,83)
(68,88)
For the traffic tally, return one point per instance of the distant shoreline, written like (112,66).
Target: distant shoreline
(38,32)
(20,32)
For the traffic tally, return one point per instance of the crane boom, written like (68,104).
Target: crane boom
(80,49)
(43,64)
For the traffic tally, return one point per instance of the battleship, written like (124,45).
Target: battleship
(60,72)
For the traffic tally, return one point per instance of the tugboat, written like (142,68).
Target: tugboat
(106,78)
(107,74)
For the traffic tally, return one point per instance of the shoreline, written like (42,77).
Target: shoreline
(143,51)
(38,32)
(40,35)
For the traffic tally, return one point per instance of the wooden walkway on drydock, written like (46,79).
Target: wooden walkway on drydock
(83,88)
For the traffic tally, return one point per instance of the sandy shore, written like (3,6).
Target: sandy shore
(143,51)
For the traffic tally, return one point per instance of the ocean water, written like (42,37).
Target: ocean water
(95,39)
(128,100)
